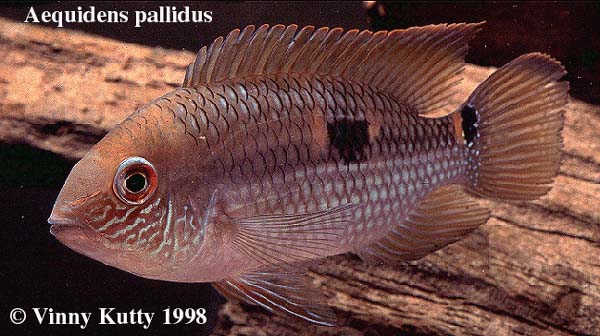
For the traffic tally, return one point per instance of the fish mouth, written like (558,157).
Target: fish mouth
(60,221)
(80,238)
(85,240)
(59,229)
(67,230)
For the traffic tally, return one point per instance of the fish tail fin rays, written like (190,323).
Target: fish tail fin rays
(419,66)
(444,216)
(290,293)
(512,123)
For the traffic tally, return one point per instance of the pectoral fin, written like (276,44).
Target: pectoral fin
(443,217)
(288,293)
(281,239)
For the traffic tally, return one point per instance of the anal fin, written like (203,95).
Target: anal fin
(443,217)
(288,293)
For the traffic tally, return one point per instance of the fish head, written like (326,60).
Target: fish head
(116,204)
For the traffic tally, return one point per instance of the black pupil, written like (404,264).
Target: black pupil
(135,183)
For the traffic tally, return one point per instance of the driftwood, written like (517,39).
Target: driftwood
(533,269)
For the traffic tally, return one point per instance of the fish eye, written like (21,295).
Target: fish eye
(135,181)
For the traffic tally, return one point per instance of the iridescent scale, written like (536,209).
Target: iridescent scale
(298,144)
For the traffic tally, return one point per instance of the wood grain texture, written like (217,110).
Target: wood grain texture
(533,269)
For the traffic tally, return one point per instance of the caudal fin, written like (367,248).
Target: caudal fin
(513,123)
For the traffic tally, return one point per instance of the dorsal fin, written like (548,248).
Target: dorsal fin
(418,66)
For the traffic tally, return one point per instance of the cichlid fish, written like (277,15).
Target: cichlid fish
(285,145)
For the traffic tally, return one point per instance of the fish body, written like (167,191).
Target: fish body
(285,146)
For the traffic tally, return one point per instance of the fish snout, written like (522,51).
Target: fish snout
(73,233)
(61,214)
(59,220)
(62,222)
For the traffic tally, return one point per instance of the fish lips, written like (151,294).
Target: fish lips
(74,235)
(80,238)
(86,241)
(66,229)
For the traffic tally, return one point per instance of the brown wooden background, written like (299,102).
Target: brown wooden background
(533,269)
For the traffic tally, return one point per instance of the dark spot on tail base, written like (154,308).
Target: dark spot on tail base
(470,121)
(348,139)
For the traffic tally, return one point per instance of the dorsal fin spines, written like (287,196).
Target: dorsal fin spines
(252,53)
(280,50)
(213,54)
(227,54)
(239,47)
(294,48)
(366,50)
(419,66)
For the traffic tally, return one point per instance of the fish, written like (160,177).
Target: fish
(286,145)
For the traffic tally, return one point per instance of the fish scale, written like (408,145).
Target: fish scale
(267,178)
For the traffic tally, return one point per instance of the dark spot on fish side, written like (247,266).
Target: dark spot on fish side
(470,120)
(348,139)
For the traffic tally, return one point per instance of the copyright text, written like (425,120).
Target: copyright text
(109,316)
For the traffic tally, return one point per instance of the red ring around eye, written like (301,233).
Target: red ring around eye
(127,169)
